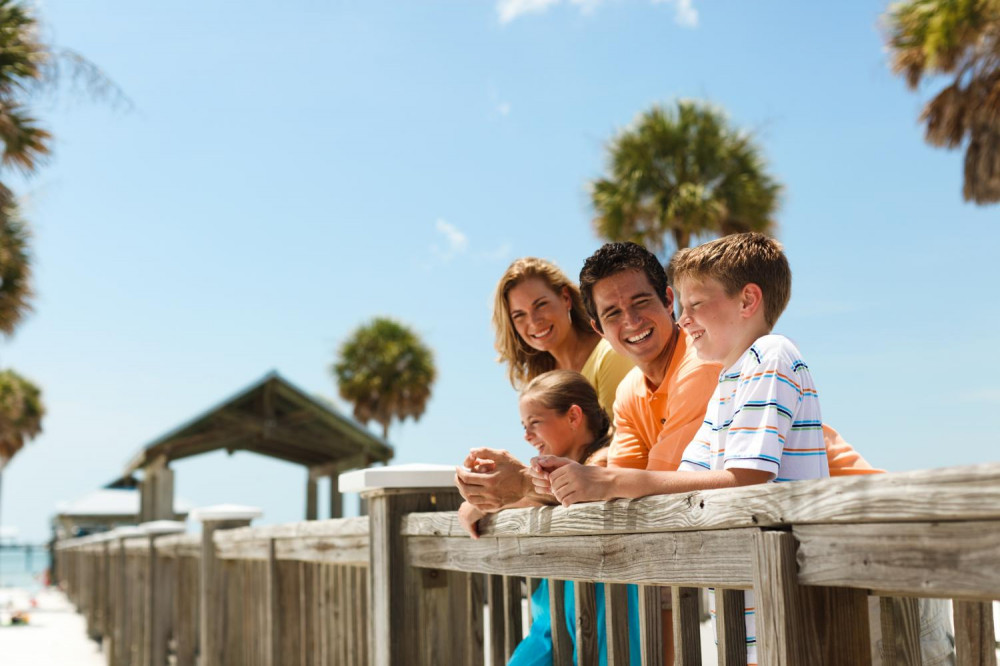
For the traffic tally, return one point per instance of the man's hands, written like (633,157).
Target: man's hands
(492,479)
(569,481)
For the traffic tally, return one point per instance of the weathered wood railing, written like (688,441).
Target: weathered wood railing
(407,586)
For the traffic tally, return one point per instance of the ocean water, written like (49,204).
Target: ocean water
(23,570)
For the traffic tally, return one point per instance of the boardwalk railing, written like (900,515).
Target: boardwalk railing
(407,586)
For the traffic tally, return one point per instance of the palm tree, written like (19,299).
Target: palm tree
(21,412)
(386,371)
(15,265)
(959,39)
(680,172)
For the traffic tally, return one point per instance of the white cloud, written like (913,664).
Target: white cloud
(503,108)
(508,10)
(685,14)
(456,242)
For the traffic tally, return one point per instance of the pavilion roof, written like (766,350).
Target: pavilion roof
(274,418)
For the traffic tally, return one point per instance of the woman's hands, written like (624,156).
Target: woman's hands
(570,482)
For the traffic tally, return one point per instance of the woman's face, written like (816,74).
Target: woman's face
(551,433)
(539,314)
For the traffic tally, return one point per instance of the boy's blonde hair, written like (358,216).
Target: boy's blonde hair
(735,261)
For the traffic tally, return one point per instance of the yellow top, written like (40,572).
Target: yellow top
(605,369)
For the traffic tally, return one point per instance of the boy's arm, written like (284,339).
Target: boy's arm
(571,482)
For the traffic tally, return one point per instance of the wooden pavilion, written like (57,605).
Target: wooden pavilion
(271,417)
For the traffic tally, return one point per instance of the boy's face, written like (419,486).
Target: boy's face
(636,323)
(712,318)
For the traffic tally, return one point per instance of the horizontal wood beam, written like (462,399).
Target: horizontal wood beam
(695,560)
(948,494)
(951,560)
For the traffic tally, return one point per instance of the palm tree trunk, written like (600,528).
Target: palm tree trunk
(385,431)
(682,238)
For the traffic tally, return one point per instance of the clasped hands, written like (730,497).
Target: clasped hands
(568,481)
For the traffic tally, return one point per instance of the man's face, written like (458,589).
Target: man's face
(636,323)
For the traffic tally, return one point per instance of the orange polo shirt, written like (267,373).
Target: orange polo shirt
(653,427)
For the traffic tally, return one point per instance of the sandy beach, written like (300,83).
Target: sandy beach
(55,635)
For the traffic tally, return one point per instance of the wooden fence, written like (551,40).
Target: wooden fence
(407,586)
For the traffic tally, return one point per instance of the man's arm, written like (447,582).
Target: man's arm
(571,482)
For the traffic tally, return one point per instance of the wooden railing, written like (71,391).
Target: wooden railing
(407,586)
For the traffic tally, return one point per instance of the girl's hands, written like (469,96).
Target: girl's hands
(468,518)
(569,481)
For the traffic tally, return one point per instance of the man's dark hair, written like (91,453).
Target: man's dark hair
(613,258)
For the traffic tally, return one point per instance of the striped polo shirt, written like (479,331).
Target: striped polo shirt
(764,415)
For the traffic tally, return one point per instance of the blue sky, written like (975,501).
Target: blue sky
(290,170)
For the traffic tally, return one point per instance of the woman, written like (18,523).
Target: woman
(561,416)
(541,325)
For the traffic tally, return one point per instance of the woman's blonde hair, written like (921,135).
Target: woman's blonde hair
(524,363)
(561,389)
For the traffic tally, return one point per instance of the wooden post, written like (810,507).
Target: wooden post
(799,624)
(157,616)
(412,619)
(211,601)
(336,498)
(156,492)
(120,655)
(312,512)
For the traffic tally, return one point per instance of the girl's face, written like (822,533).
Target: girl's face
(539,314)
(552,433)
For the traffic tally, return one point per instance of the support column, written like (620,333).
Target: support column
(336,498)
(412,618)
(312,492)
(211,594)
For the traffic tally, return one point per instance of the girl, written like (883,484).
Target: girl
(561,416)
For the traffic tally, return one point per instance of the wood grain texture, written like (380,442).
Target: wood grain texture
(954,493)
(562,643)
(616,623)
(495,606)
(975,641)
(511,615)
(585,606)
(956,559)
(731,627)
(687,630)
(650,626)
(689,559)
(410,619)
(798,624)
(900,620)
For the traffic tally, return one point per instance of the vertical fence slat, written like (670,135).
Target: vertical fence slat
(650,626)
(585,607)
(616,623)
(687,630)
(495,603)
(731,627)
(900,620)
(562,643)
(975,641)
(512,627)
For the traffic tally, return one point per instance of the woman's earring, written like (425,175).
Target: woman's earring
(569,313)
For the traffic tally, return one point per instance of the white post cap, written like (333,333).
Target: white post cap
(412,475)
(157,527)
(226,512)
(126,531)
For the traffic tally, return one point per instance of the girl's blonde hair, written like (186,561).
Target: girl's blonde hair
(524,363)
(561,389)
